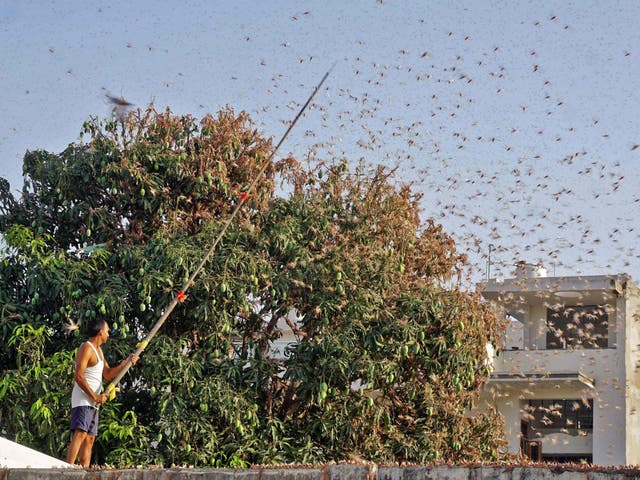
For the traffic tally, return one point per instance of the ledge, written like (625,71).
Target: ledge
(368,471)
(567,379)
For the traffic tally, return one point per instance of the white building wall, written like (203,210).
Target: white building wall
(509,407)
(632,365)
(538,327)
(609,441)
(604,366)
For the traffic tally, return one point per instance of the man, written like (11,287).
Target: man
(87,396)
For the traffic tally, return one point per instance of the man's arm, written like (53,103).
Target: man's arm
(82,362)
(109,373)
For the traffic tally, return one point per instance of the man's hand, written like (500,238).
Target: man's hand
(100,399)
(133,358)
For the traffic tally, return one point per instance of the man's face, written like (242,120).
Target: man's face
(105,332)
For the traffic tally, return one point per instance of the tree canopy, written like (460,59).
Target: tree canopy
(389,352)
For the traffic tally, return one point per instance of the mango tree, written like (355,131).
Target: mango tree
(389,353)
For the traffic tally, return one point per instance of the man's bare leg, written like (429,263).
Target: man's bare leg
(77,440)
(85,450)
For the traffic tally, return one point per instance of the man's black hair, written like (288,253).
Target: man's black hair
(95,326)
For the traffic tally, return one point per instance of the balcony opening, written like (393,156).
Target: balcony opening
(577,326)
(558,430)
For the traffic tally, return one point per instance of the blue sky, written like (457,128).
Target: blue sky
(516,120)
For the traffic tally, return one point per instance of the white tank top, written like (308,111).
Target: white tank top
(94,378)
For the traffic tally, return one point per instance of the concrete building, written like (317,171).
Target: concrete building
(567,376)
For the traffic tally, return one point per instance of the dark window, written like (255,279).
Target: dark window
(577,327)
(582,458)
(572,415)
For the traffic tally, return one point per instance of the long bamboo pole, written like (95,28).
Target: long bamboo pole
(111,388)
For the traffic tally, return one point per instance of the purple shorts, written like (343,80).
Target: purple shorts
(86,419)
